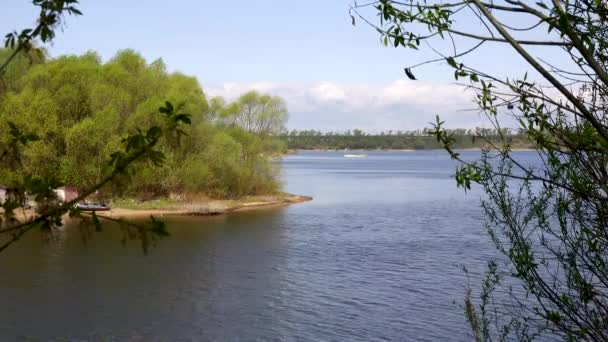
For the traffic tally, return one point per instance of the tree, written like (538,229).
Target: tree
(112,129)
(139,146)
(259,114)
(550,221)
(81,108)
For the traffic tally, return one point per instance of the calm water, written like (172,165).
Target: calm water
(374,257)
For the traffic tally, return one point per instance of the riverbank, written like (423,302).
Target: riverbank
(126,209)
(203,207)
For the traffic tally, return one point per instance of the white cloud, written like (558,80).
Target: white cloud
(328,92)
(398,105)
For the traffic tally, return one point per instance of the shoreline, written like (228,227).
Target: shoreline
(195,208)
(209,208)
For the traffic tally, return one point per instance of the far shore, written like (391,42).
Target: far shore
(402,150)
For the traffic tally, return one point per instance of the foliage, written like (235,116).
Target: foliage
(112,129)
(263,115)
(550,220)
(80,108)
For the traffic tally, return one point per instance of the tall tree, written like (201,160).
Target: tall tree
(257,113)
(550,221)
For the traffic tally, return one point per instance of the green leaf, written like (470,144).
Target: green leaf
(451,61)
(542,5)
(185,118)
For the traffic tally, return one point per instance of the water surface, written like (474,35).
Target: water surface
(374,257)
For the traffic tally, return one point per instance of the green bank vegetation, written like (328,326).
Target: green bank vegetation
(399,140)
(81,108)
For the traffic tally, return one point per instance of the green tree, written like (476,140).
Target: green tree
(257,113)
(117,98)
(549,221)
(112,129)
(18,143)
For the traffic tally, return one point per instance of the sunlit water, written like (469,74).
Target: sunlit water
(374,257)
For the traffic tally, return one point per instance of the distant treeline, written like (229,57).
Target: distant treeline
(398,140)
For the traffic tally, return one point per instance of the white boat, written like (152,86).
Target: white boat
(355,155)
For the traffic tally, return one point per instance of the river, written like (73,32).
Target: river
(374,257)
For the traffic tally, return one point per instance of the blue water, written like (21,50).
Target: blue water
(374,257)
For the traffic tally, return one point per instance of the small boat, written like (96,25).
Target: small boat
(355,156)
(88,206)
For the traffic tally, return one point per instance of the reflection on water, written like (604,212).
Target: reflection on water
(373,257)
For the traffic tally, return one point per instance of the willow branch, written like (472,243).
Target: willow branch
(546,74)
(10,59)
(576,41)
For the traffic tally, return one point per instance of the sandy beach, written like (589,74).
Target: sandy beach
(198,208)
(209,208)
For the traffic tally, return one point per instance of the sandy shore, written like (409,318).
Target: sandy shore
(209,208)
(200,208)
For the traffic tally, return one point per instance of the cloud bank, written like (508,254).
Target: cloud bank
(400,105)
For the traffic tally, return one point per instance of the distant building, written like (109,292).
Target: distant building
(66,193)
(4,191)
(12,194)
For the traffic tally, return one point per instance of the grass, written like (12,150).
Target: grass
(174,204)
(129,203)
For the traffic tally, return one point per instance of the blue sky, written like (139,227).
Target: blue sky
(333,76)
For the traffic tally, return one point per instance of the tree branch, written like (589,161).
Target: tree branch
(573,99)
